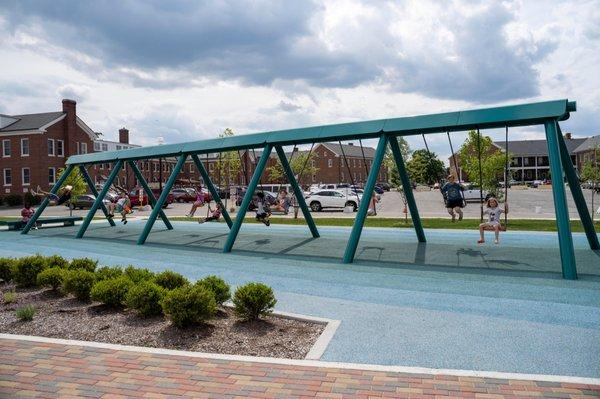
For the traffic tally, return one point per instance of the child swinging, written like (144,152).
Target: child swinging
(211,214)
(263,211)
(493,211)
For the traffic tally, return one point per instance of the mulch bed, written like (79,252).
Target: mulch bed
(68,318)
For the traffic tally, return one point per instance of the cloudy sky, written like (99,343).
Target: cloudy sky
(186,70)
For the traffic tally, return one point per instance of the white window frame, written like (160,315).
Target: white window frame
(84,148)
(4,147)
(25,140)
(4,177)
(53,169)
(104,147)
(53,153)
(330,163)
(23,176)
(60,144)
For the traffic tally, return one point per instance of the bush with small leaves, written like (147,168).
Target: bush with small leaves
(170,280)
(111,292)
(137,274)
(189,305)
(108,272)
(79,283)
(27,269)
(253,300)
(25,313)
(9,297)
(218,286)
(57,261)
(83,264)
(52,277)
(7,269)
(145,297)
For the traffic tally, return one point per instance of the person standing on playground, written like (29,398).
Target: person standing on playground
(453,196)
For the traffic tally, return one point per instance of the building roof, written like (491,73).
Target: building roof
(350,150)
(535,147)
(31,121)
(588,144)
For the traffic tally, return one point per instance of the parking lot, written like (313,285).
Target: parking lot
(523,204)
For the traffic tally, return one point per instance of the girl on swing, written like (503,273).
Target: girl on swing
(493,211)
(212,214)
(55,199)
(198,203)
(263,211)
(452,192)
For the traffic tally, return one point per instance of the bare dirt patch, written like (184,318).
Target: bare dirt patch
(68,318)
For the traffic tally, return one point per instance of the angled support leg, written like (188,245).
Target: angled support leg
(359,221)
(212,189)
(161,200)
(239,219)
(149,193)
(565,239)
(410,198)
(90,215)
(46,200)
(575,188)
(90,184)
(297,191)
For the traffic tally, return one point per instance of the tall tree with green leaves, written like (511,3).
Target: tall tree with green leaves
(300,159)
(390,163)
(425,167)
(228,163)
(76,180)
(590,173)
(492,162)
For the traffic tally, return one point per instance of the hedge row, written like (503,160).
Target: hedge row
(18,199)
(149,294)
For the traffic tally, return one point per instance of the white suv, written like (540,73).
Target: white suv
(331,199)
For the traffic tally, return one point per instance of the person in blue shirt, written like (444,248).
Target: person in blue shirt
(453,196)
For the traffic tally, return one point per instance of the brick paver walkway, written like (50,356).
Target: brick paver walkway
(33,369)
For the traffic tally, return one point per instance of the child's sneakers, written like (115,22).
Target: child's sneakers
(480,241)
(495,241)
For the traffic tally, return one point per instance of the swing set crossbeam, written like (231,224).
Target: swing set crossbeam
(547,113)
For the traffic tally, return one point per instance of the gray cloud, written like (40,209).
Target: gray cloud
(179,43)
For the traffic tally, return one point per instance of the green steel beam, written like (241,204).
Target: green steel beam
(565,239)
(239,219)
(487,118)
(90,215)
(149,193)
(213,190)
(161,200)
(92,187)
(578,198)
(359,221)
(408,192)
(46,200)
(297,191)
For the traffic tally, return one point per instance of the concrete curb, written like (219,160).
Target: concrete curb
(311,363)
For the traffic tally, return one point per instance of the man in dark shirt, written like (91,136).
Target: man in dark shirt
(453,194)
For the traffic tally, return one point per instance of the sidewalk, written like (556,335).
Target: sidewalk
(49,370)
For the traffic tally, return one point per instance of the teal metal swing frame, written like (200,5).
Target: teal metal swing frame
(548,114)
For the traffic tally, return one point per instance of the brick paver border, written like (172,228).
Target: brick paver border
(50,368)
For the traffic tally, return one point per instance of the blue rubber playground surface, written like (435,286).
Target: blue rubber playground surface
(446,304)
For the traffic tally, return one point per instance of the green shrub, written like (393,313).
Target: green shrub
(31,199)
(27,269)
(111,292)
(52,277)
(108,272)
(83,264)
(137,274)
(218,286)
(13,200)
(170,280)
(57,261)
(253,300)
(79,283)
(1,200)
(25,313)
(189,305)
(145,297)
(7,269)
(9,297)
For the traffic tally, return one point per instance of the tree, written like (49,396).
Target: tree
(590,173)
(390,163)
(76,180)
(300,159)
(228,163)
(492,162)
(425,167)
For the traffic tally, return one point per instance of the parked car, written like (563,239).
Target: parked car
(134,197)
(270,197)
(85,201)
(184,195)
(320,200)
(473,193)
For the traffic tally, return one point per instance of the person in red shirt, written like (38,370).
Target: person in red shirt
(27,213)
